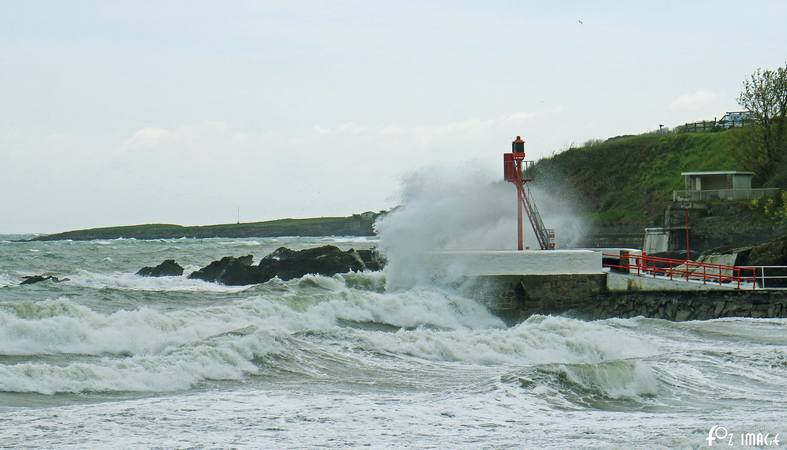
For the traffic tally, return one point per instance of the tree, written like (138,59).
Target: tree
(765,97)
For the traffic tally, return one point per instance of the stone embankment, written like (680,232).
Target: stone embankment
(687,305)
(516,297)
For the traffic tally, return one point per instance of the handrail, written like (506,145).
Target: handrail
(670,268)
(766,273)
(723,194)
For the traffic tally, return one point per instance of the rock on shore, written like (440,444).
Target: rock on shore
(283,263)
(769,259)
(168,268)
(43,277)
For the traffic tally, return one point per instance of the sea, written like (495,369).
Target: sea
(109,359)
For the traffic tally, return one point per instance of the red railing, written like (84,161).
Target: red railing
(680,269)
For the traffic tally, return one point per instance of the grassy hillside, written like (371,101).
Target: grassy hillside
(355,225)
(630,179)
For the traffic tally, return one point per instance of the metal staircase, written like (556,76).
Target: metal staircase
(544,235)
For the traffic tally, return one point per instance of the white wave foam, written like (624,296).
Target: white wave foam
(177,369)
(544,340)
(610,380)
(120,280)
(63,326)
(146,349)
(241,243)
(7,280)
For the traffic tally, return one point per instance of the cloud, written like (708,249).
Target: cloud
(694,100)
(471,125)
(146,138)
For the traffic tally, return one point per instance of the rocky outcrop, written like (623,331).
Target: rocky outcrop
(771,253)
(326,260)
(372,259)
(168,268)
(228,270)
(763,257)
(43,277)
(283,263)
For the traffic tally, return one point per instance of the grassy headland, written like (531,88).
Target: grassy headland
(630,179)
(355,225)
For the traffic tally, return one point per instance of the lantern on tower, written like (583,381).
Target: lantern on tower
(514,167)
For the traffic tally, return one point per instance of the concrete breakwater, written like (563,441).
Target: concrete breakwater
(593,296)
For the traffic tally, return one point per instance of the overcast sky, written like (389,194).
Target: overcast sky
(116,112)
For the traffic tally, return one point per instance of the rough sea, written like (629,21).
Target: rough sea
(113,360)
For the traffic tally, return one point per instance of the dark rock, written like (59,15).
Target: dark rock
(39,278)
(772,253)
(168,268)
(326,260)
(228,268)
(372,259)
(283,263)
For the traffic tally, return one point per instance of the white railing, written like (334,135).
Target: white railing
(723,194)
(770,277)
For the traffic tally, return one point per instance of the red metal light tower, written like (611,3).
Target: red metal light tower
(514,166)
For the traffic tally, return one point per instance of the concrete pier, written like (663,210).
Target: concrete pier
(514,298)
(516,285)
(512,262)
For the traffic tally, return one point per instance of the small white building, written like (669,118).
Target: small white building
(719,185)
(710,181)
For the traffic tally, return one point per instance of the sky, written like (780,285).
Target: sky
(129,112)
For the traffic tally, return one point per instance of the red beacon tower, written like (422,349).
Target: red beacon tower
(514,167)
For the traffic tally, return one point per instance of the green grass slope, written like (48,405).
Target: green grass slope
(355,225)
(630,179)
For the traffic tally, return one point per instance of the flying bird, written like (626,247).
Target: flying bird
(580,21)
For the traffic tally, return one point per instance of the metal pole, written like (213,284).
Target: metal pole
(520,244)
(688,249)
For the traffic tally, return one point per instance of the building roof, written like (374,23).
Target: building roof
(736,115)
(719,172)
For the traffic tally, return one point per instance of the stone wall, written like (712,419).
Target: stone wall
(712,225)
(721,224)
(515,298)
(680,306)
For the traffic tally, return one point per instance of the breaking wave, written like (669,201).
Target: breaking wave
(312,326)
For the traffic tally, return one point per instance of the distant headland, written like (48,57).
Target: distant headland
(354,225)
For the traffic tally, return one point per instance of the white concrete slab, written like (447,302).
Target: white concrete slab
(512,262)
(622,282)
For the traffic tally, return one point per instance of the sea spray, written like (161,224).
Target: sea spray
(444,208)
(560,212)
(461,207)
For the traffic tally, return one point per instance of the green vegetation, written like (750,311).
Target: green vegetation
(764,95)
(355,225)
(773,208)
(630,179)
